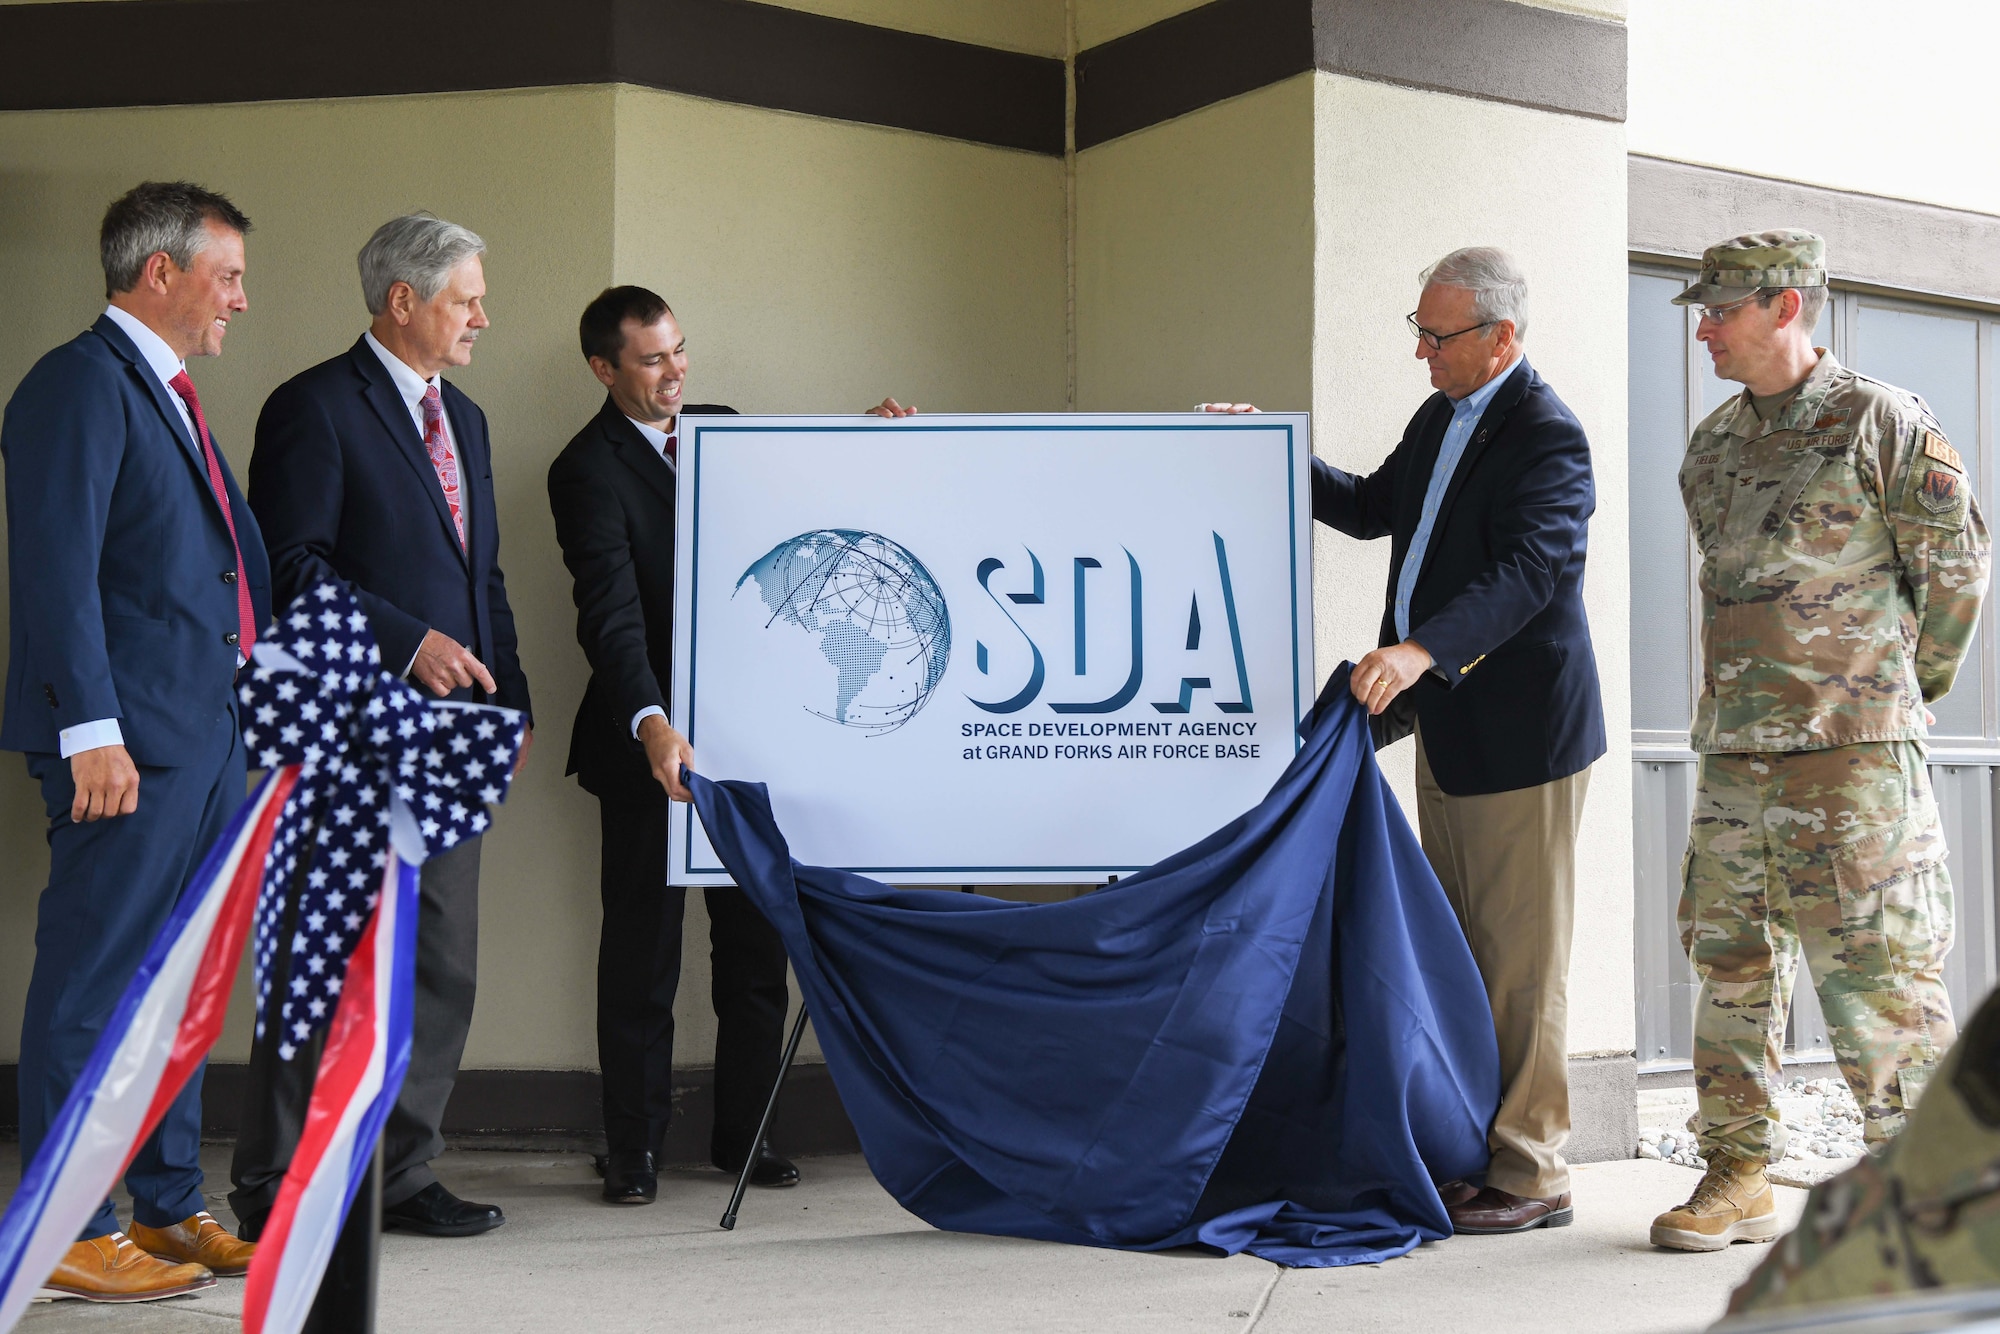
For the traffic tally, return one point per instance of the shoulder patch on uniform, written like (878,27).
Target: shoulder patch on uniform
(1939,491)
(1936,448)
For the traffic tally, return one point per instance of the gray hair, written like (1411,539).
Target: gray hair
(1812,300)
(420,249)
(1499,288)
(159,216)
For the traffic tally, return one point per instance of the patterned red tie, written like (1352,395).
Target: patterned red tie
(441,459)
(671,447)
(246,619)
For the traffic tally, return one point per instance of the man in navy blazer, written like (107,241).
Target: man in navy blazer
(1485,654)
(138,580)
(372,470)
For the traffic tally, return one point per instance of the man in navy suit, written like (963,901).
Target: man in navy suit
(1485,654)
(138,580)
(372,470)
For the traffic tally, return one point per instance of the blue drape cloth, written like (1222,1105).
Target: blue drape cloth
(1275,1041)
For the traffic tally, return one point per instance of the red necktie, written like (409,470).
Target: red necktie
(246,619)
(673,439)
(441,459)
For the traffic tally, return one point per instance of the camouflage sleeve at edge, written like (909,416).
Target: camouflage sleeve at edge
(1944,546)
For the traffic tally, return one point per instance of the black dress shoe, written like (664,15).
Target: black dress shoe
(630,1178)
(436,1212)
(771,1169)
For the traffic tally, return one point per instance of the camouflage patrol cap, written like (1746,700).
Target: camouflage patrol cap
(1739,266)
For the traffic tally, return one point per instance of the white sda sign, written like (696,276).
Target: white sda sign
(991,649)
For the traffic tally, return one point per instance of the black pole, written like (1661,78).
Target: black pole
(764,1126)
(347,1290)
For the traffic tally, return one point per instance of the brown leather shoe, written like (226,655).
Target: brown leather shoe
(1455,1193)
(197,1241)
(1492,1212)
(112,1269)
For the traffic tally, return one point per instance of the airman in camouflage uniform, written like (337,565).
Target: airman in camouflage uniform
(1843,560)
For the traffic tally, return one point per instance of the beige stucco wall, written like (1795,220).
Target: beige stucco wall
(1614,10)
(1099,21)
(1034,26)
(530,172)
(1852,94)
(1394,171)
(1266,248)
(818,266)
(1194,259)
(1261,249)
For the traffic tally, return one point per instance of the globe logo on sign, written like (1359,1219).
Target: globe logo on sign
(877,615)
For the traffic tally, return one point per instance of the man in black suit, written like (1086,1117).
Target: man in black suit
(371,470)
(1485,654)
(612,491)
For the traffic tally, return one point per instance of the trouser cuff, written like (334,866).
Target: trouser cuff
(407,1184)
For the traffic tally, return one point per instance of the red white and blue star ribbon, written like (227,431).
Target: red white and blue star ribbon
(367,778)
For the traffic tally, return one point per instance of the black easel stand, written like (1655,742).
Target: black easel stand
(764,1126)
(346,1300)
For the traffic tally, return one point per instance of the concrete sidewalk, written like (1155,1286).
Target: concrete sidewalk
(838,1254)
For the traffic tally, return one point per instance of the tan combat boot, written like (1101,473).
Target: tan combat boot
(197,1241)
(1734,1202)
(112,1269)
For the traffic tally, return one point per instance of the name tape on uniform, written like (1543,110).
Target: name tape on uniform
(1935,447)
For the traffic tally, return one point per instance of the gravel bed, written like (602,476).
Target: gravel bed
(1820,1115)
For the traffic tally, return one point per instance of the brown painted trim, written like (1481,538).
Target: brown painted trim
(195,52)
(1677,209)
(1494,50)
(550,1109)
(186,52)
(1187,62)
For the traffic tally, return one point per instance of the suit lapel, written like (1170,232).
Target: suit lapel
(636,452)
(1490,421)
(107,329)
(380,391)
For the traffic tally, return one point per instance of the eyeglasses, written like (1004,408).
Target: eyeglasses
(1720,314)
(1436,341)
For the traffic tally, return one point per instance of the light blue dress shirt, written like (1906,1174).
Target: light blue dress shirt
(1465,415)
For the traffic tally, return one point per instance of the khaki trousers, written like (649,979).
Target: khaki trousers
(1507,861)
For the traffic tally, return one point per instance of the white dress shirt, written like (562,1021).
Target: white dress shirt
(412,387)
(165,365)
(658,440)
